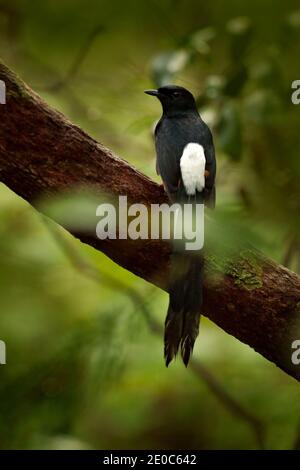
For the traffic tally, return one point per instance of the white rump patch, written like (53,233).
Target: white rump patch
(192,165)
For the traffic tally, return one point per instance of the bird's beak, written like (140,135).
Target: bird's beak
(152,92)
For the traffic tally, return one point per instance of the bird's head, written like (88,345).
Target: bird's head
(174,99)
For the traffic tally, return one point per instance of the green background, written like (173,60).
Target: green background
(84,370)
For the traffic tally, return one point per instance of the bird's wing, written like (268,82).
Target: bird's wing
(168,165)
(210,167)
(210,159)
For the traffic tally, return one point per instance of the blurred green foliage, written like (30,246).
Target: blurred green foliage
(83,368)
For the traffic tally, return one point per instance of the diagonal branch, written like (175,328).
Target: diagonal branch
(43,154)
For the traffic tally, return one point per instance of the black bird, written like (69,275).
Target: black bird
(187,165)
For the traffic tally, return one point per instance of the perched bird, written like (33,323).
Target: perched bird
(187,165)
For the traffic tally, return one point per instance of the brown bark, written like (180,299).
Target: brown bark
(43,154)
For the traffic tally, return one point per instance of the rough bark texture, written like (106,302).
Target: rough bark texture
(43,154)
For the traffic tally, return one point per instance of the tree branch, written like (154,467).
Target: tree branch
(42,154)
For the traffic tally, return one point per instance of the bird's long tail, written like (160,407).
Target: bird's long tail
(185,302)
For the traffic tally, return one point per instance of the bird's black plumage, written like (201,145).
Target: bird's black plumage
(179,126)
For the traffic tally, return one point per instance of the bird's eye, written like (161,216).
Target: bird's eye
(176,93)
